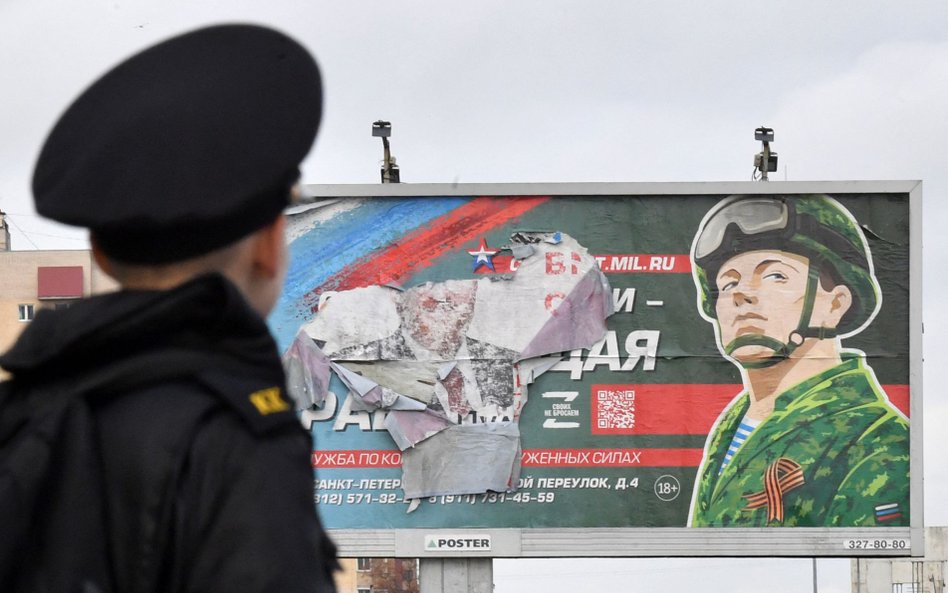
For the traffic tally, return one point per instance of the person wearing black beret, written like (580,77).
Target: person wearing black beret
(180,161)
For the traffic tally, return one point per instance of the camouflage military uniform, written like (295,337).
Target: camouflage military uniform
(834,452)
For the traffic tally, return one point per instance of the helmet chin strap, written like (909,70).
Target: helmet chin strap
(783,350)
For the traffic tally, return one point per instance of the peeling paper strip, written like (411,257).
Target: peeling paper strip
(307,372)
(410,428)
(578,321)
(355,403)
(531,368)
(445,370)
(412,378)
(520,251)
(396,401)
(357,383)
(372,395)
(467,459)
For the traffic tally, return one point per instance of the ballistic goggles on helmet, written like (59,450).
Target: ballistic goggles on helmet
(769,223)
(752,217)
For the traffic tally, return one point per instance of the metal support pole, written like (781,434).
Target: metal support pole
(814,575)
(456,575)
(763,169)
(387,166)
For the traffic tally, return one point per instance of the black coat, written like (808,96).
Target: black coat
(208,481)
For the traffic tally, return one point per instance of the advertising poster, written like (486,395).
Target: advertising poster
(603,361)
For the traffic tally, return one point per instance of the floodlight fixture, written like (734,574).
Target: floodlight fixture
(765,161)
(383,129)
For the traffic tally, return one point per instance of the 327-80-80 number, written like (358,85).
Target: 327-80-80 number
(876,544)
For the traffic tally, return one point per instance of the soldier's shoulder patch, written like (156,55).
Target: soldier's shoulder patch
(269,401)
(262,405)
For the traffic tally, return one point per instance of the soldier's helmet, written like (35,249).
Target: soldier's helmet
(814,226)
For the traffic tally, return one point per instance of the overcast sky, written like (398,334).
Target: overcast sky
(491,91)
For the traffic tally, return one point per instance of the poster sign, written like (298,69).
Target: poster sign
(677,362)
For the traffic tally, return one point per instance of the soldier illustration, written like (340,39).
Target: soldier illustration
(812,440)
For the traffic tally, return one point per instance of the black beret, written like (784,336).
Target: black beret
(185,147)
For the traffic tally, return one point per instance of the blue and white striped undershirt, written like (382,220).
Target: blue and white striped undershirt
(743,431)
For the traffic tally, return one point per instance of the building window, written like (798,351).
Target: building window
(363,564)
(364,590)
(26,312)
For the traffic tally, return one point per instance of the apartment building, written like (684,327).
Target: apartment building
(378,575)
(33,280)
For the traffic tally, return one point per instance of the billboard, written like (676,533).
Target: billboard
(610,369)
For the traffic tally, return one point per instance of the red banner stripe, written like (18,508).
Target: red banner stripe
(640,457)
(686,408)
(355,458)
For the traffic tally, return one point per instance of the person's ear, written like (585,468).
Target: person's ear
(269,248)
(838,301)
(101,260)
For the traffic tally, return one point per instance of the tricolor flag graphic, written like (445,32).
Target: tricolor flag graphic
(887,512)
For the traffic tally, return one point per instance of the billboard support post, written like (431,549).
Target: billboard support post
(814,575)
(456,575)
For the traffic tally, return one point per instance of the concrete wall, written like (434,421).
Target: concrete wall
(905,575)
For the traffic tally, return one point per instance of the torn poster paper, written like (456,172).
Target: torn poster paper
(494,449)
(307,372)
(442,357)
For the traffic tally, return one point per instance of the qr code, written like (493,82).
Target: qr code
(615,410)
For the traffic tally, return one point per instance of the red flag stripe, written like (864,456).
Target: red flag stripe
(419,249)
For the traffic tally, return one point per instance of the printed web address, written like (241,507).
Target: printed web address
(628,263)
(344,459)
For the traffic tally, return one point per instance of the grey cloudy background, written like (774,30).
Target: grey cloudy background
(492,91)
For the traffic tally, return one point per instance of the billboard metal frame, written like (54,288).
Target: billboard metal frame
(670,541)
